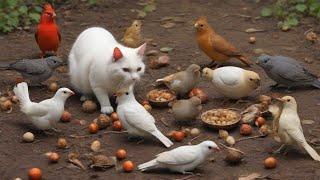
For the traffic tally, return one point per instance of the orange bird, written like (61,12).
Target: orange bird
(215,46)
(47,35)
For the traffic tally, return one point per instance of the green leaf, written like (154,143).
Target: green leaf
(35,17)
(23,9)
(12,3)
(266,12)
(149,8)
(301,7)
(38,9)
(291,21)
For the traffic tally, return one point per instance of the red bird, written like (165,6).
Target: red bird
(47,35)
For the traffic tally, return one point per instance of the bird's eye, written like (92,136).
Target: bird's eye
(139,69)
(251,79)
(65,92)
(136,25)
(126,69)
(127,93)
(201,25)
(265,61)
(288,100)
(209,147)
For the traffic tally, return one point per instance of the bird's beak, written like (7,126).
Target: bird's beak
(257,62)
(196,25)
(217,149)
(54,14)
(72,93)
(279,99)
(258,82)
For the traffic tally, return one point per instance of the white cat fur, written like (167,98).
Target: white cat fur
(93,68)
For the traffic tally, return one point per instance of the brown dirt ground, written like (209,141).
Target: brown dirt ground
(17,157)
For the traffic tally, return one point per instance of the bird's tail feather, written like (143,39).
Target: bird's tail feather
(316,83)
(166,141)
(311,152)
(148,165)
(22,92)
(245,60)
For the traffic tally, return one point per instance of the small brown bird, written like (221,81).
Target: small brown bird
(132,37)
(215,46)
(184,81)
(186,110)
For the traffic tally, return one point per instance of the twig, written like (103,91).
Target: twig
(114,132)
(163,122)
(309,30)
(189,177)
(91,135)
(193,139)
(251,137)
(230,148)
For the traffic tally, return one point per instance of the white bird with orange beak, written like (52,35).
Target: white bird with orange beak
(182,159)
(232,82)
(290,130)
(45,114)
(136,119)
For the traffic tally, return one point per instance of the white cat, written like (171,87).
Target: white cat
(99,64)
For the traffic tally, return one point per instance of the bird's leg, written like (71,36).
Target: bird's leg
(274,86)
(56,130)
(46,132)
(210,65)
(188,173)
(278,151)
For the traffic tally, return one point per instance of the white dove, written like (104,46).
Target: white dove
(136,119)
(290,130)
(45,113)
(232,82)
(182,159)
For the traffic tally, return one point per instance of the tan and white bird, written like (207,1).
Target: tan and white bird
(186,109)
(133,37)
(290,130)
(232,82)
(184,81)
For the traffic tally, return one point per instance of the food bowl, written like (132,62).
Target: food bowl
(221,118)
(161,97)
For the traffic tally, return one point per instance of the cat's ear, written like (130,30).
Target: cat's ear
(117,54)
(142,49)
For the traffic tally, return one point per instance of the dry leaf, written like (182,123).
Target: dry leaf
(73,158)
(103,162)
(253,30)
(307,122)
(168,25)
(251,176)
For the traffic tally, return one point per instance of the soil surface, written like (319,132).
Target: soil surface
(17,157)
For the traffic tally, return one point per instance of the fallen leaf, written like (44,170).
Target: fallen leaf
(307,122)
(251,176)
(152,53)
(253,30)
(168,25)
(166,49)
(103,162)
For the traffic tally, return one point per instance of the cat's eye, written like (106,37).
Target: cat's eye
(126,69)
(139,69)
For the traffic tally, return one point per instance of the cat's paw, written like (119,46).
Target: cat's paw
(107,109)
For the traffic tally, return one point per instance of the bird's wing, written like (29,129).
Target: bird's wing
(139,118)
(230,79)
(222,46)
(35,109)
(30,66)
(297,135)
(292,71)
(179,156)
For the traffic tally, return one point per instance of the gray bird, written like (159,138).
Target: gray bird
(35,70)
(287,71)
(186,109)
(184,81)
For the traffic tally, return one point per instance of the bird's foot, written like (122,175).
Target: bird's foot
(107,109)
(274,86)
(46,132)
(188,173)
(280,149)
(56,130)
(212,64)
